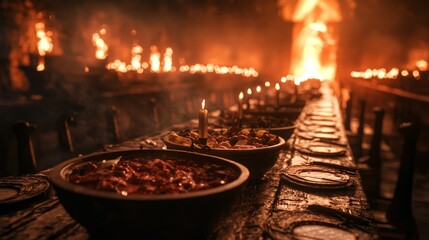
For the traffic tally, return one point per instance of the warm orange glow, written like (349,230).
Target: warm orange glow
(249,91)
(44,45)
(267,84)
(404,73)
(203,104)
(100,45)
(283,79)
(211,68)
(168,60)
(86,69)
(136,58)
(416,74)
(314,37)
(258,89)
(155,64)
(277,86)
(241,96)
(422,65)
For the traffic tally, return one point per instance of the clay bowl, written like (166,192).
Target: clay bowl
(190,215)
(257,160)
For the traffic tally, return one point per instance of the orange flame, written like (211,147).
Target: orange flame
(44,45)
(241,96)
(136,52)
(249,91)
(203,104)
(155,64)
(422,65)
(258,89)
(277,86)
(100,45)
(168,60)
(267,84)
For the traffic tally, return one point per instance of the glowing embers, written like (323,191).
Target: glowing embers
(100,44)
(44,45)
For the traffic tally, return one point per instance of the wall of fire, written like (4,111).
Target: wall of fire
(261,34)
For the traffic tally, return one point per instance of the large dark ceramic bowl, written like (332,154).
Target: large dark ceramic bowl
(166,216)
(257,160)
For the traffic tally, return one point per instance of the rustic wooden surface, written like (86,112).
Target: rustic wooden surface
(268,208)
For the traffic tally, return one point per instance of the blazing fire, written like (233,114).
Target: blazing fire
(136,58)
(158,64)
(155,63)
(313,39)
(212,68)
(168,60)
(44,45)
(393,73)
(101,46)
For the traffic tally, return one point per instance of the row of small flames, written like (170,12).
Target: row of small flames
(155,64)
(393,73)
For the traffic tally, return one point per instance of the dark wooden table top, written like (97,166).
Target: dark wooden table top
(269,208)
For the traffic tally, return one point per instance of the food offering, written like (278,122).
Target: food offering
(280,126)
(165,194)
(150,175)
(257,149)
(231,138)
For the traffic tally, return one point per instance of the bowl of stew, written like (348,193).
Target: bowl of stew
(257,149)
(157,194)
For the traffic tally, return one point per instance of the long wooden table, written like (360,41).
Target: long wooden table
(268,209)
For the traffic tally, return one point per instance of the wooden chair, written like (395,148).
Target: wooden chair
(26,156)
(113,126)
(65,138)
(370,165)
(397,222)
(348,112)
(355,140)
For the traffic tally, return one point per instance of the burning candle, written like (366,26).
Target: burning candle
(277,94)
(240,109)
(296,83)
(258,91)
(266,92)
(203,123)
(249,93)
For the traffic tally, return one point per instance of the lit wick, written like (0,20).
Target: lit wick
(278,94)
(203,123)
(240,109)
(258,91)
(249,93)
(266,93)
(296,83)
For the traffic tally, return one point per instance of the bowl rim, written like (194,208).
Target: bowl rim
(243,150)
(57,177)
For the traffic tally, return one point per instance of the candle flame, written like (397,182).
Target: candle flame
(249,91)
(155,64)
(422,65)
(168,60)
(241,96)
(136,52)
(203,104)
(277,86)
(267,84)
(404,73)
(258,89)
(283,79)
(100,45)
(86,69)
